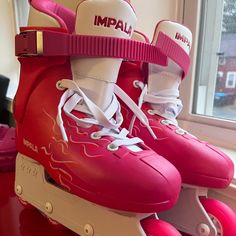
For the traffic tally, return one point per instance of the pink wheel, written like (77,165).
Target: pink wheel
(25,204)
(222,216)
(153,227)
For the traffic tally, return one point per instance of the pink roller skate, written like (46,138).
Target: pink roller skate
(75,163)
(7,148)
(202,166)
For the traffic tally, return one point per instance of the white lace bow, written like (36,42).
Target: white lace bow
(110,120)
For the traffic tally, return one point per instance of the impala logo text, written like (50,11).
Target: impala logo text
(112,22)
(183,38)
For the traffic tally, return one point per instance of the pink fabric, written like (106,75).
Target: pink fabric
(7,148)
(64,16)
(173,51)
(7,140)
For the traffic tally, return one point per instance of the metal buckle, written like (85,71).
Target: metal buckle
(29,43)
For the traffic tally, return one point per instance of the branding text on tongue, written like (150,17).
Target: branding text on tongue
(183,38)
(112,22)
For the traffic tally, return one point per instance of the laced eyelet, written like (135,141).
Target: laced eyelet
(136,83)
(112,147)
(59,86)
(180,131)
(150,112)
(95,135)
(165,122)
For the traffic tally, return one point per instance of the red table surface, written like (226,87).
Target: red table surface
(15,220)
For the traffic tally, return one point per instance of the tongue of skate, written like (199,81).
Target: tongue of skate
(163,82)
(112,18)
(96,77)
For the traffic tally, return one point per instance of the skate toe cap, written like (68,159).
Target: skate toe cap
(203,164)
(198,162)
(152,184)
(143,182)
(162,183)
(213,168)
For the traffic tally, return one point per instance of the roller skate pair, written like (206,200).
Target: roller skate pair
(75,162)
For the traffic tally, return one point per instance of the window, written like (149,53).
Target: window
(12,15)
(230,80)
(21,8)
(209,91)
(8,63)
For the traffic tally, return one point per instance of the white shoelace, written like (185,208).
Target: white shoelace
(167,96)
(74,99)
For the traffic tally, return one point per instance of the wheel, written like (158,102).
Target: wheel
(153,227)
(221,215)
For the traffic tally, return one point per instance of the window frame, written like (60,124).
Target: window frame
(214,130)
(21,9)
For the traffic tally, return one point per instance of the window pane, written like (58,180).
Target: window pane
(21,11)
(216,76)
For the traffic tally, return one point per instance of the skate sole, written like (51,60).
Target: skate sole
(81,216)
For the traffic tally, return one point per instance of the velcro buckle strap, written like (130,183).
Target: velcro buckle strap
(53,43)
(174,51)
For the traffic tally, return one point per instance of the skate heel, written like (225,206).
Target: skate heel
(79,215)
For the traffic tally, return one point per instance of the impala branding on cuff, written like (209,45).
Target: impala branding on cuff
(112,22)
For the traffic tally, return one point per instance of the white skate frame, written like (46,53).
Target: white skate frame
(83,217)
(188,215)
